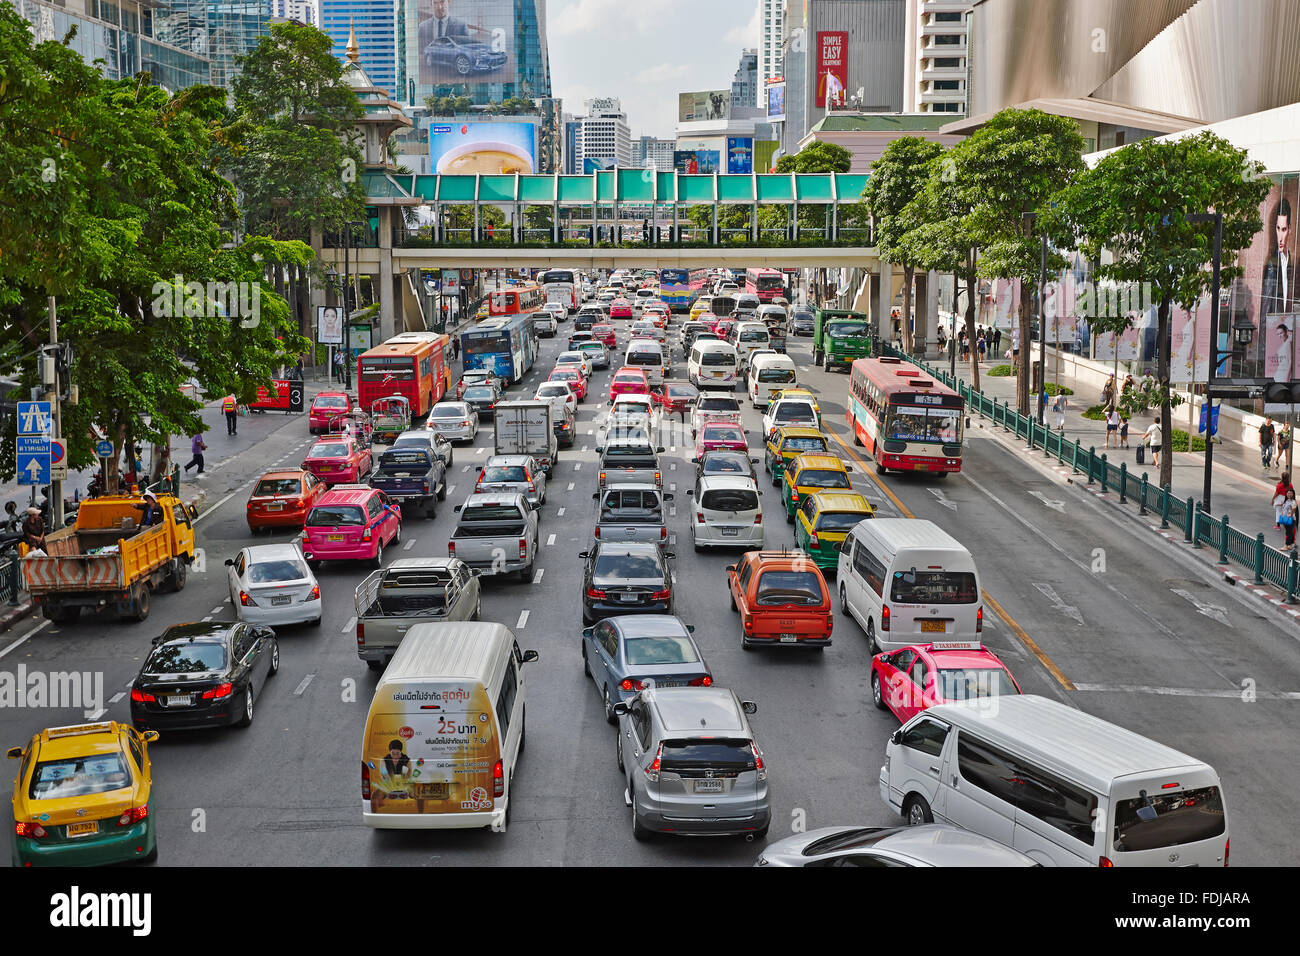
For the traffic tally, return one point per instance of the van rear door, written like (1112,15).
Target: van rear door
(932,596)
(1170,818)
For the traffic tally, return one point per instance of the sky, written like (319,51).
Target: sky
(645,52)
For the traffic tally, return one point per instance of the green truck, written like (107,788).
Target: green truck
(840,337)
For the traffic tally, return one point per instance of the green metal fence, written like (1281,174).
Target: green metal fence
(1265,564)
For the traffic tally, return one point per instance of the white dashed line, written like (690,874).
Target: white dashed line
(451,489)
(217,609)
(570,488)
(479,450)
(410,544)
(577,466)
(115,698)
(208,618)
(523,619)
(672,486)
(672,511)
(550,541)
(352,623)
(560,513)
(537,578)
(464,469)
(297,692)
(672,466)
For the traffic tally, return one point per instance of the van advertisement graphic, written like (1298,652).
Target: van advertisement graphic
(433,760)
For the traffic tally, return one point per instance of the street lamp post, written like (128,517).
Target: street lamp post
(1031,218)
(347,298)
(1215,217)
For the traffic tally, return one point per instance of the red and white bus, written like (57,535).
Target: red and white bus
(907,420)
(413,364)
(767,284)
(524,298)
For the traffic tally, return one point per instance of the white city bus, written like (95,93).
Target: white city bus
(560,286)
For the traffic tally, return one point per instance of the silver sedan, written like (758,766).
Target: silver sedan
(455,421)
(933,844)
(271,584)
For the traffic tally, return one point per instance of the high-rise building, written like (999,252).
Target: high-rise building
(127,41)
(655,153)
(744,85)
(375,23)
(304,11)
(222,30)
(771,29)
(936,59)
(603,136)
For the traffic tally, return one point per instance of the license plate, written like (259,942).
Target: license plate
(179,700)
(275,506)
(280,599)
(730,532)
(670,683)
(333,537)
(921,466)
(629,598)
(933,627)
(83,829)
(431,791)
(789,638)
(708,786)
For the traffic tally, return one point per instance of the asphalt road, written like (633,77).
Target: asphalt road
(287,791)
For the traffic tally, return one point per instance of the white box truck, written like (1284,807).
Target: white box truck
(525,428)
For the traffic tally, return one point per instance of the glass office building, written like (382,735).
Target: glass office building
(125,37)
(221,30)
(375,23)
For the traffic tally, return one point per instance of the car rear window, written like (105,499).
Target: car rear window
(627,566)
(711,403)
(333,449)
(729,499)
(631,500)
(330,401)
(971,683)
(795,412)
(717,358)
(789,587)
(822,478)
(934,587)
(691,757)
(185,657)
(629,379)
(1168,819)
(642,358)
(269,572)
(504,473)
(479,394)
(404,460)
(753,335)
(553,391)
(449,411)
(335,516)
(640,651)
(628,451)
(78,776)
(838,520)
(278,486)
(776,374)
(490,513)
(723,433)
(801,443)
(723,464)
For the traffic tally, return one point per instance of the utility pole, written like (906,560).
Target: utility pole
(1042,335)
(1215,217)
(56,487)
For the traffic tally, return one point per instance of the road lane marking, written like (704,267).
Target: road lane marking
(215,505)
(218,609)
(537,578)
(1058,506)
(18,643)
(1185,691)
(115,698)
(672,511)
(523,619)
(1215,612)
(297,692)
(943,499)
(550,540)
(208,618)
(577,466)
(570,488)
(1068,610)
(464,469)
(560,513)
(352,622)
(451,489)
(409,544)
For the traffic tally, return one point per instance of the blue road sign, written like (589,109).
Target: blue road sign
(33,469)
(35,418)
(32,445)
(104,449)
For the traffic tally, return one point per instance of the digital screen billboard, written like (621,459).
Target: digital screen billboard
(466,41)
(488,148)
(740,154)
(776,103)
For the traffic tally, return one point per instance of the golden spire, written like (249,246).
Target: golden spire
(354,51)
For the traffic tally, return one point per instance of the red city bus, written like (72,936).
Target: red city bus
(413,364)
(767,284)
(527,298)
(906,419)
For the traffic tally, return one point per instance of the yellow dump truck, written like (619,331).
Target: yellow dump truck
(107,558)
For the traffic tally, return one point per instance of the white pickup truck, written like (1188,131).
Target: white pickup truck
(496,534)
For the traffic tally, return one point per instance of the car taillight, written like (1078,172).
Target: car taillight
(979,619)
(758,518)
(631,684)
(699,517)
(597,531)
(758,761)
(747,621)
(830,622)
(365,782)
(652,771)
(140,697)
(812,539)
(705,681)
(218,692)
(451,549)
(1227,847)
(245,600)
(365,535)
(602,479)
(884,617)
(133,815)
(658,479)
(523,547)
(498,780)
(661,595)
(596,594)
(361,634)
(34,830)
(663,534)
(1104,862)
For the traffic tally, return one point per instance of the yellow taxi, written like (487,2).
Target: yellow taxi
(700,307)
(482,312)
(806,474)
(824,520)
(81,796)
(788,441)
(799,393)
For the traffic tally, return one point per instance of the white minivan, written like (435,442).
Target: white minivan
(445,729)
(647,355)
(726,512)
(908,581)
(770,373)
(712,364)
(1061,786)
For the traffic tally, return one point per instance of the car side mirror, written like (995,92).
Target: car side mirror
(670,555)
(588,631)
(13,753)
(749,707)
(659,450)
(456,510)
(595,495)
(150,736)
(584,554)
(690,492)
(529,657)
(896,737)
(731,567)
(230,562)
(968,421)
(695,461)
(477,572)
(193,510)
(621,709)
(669,496)
(600,449)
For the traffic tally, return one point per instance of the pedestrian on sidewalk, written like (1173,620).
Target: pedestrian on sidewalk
(1267,438)
(1283,455)
(965,346)
(1015,347)
(1059,405)
(197,448)
(231,409)
(1154,439)
(455,348)
(1279,496)
(1112,426)
(1288,517)
(1108,392)
(997,341)
(1123,430)
(981,346)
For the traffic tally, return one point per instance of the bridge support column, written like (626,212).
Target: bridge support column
(921,337)
(389,293)
(884,297)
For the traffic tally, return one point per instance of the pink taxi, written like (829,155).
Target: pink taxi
(714,435)
(629,381)
(337,459)
(912,679)
(326,407)
(351,523)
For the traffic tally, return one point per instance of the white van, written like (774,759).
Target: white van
(712,364)
(768,374)
(647,355)
(747,336)
(908,581)
(445,729)
(1059,785)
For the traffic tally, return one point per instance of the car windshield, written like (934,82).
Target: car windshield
(640,651)
(448,411)
(729,499)
(723,434)
(78,776)
(970,683)
(479,394)
(504,473)
(844,330)
(789,587)
(277,486)
(269,572)
(801,444)
(838,520)
(822,478)
(186,657)
(330,401)
(335,516)
(628,566)
(923,424)
(1169,819)
(332,449)
(934,587)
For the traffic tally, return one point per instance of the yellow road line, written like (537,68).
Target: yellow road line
(1048,664)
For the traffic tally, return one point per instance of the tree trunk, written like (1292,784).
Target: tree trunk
(1162,376)
(970,330)
(1026,357)
(908,272)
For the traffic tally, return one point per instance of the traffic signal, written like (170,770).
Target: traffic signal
(1282,393)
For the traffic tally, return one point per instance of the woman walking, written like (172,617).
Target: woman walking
(1288,519)
(1279,498)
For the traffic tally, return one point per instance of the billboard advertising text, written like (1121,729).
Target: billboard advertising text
(703,161)
(776,103)
(466,41)
(488,148)
(705,105)
(832,66)
(740,154)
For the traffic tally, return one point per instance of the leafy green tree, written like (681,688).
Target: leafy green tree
(896,177)
(1135,205)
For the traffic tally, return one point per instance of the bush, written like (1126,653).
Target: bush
(1178,441)
(1000,371)
(1096,413)
(1053,389)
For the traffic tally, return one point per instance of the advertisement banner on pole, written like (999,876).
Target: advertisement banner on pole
(1189,361)
(1279,355)
(1006,303)
(832,66)
(329,325)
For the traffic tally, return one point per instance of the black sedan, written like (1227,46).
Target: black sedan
(801,323)
(483,399)
(725,461)
(203,675)
(626,577)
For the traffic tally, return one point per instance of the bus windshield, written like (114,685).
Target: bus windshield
(768,284)
(923,424)
(487,343)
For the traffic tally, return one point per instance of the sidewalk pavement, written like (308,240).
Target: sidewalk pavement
(1241,487)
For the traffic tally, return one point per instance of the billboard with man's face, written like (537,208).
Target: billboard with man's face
(465,41)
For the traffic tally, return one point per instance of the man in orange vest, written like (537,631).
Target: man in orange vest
(231,408)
